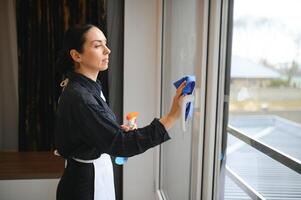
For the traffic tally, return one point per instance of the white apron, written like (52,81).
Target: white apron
(104,177)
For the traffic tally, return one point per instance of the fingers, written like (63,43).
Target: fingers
(180,89)
(125,128)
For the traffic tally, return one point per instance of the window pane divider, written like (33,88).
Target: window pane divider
(273,153)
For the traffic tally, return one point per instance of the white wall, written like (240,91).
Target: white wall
(141,88)
(28,189)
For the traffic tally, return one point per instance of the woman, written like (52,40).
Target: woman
(86,132)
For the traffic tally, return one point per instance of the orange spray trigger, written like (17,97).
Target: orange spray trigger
(131,119)
(132,115)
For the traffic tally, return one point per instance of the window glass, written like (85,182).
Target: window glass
(265,96)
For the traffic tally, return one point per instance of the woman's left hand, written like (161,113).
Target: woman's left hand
(127,128)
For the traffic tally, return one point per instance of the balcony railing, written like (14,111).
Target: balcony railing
(288,161)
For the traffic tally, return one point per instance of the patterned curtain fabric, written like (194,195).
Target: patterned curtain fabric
(40,28)
(115,36)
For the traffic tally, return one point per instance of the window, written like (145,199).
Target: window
(264,133)
(180,56)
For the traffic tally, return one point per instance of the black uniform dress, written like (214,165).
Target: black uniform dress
(86,133)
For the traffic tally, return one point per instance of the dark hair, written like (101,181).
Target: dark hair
(74,38)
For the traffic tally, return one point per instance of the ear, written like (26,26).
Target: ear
(75,55)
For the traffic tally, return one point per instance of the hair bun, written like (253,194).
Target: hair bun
(64,62)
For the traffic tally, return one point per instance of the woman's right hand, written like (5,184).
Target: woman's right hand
(176,108)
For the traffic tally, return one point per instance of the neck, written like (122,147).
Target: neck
(91,74)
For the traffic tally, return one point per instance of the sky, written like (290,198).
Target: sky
(270,30)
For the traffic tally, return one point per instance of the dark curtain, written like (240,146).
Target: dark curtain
(40,28)
(115,36)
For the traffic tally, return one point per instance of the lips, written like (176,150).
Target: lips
(105,60)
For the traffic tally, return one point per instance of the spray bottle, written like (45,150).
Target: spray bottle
(132,123)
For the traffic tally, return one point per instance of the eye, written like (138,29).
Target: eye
(96,46)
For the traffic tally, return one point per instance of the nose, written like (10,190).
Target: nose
(107,50)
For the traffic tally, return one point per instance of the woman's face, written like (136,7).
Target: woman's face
(95,54)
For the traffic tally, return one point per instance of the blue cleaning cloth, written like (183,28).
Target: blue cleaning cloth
(190,84)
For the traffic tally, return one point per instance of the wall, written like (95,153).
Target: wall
(141,89)
(44,189)
(9,106)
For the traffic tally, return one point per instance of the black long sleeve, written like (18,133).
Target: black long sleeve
(86,127)
(99,130)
